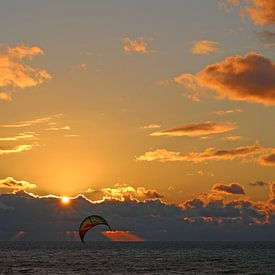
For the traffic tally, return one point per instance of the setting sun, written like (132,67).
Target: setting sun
(65,200)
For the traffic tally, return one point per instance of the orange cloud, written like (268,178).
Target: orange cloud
(205,47)
(228,189)
(140,45)
(121,236)
(9,184)
(14,72)
(249,78)
(15,149)
(261,12)
(162,155)
(5,96)
(268,160)
(151,126)
(232,138)
(197,129)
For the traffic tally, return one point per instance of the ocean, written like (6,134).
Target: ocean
(137,258)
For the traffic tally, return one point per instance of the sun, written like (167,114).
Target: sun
(65,200)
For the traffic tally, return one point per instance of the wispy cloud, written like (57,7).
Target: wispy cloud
(59,128)
(151,126)
(249,78)
(21,136)
(27,123)
(227,112)
(163,155)
(5,150)
(205,47)
(139,45)
(259,183)
(232,138)
(197,129)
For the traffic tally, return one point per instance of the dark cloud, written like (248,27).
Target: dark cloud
(258,183)
(229,189)
(206,217)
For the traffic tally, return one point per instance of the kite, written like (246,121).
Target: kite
(89,223)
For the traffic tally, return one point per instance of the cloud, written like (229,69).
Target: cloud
(261,12)
(9,184)
(124,192)
(227,112)
(21,136)
(232,138)
(228,189)
(140,45)
(250,78)
(27,123)
(258,183)
(163,155)
(197,129)
(5,96)
(205,47)
(15,72)
(267,160)
(207,216)
(4,150)
(151,126)
(58,128)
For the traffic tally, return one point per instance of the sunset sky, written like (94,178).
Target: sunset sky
(135,100)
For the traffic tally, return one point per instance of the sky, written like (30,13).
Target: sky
(163,107)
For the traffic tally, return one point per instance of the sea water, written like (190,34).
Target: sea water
(142,258)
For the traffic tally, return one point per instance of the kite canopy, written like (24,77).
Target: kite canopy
(89,223)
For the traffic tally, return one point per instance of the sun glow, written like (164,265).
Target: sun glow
(65,200)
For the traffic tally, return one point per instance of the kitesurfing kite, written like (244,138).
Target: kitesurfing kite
(89,223)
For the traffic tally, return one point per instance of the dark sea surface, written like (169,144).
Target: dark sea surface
(142,258)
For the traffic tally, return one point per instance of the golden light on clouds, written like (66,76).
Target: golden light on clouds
(209,154)
(250,78)
(121,236)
